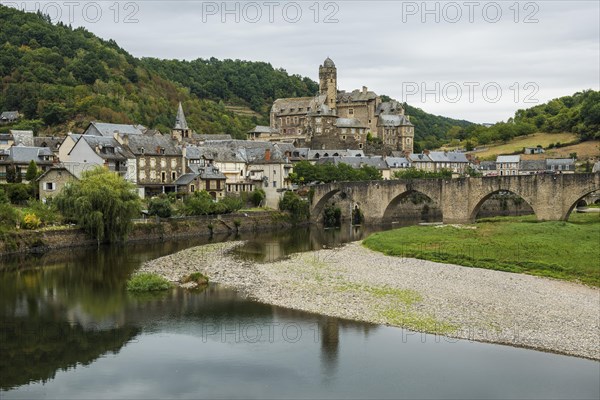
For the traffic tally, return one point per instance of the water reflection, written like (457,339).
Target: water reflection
(69,309)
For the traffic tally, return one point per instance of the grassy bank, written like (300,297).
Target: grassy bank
(564,250)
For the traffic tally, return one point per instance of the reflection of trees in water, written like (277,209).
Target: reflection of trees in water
(34,349)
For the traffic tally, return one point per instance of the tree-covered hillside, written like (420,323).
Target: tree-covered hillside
(61,78)
(578,114)
(252,84)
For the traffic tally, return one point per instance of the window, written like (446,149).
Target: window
(351,111)
(192,188)
(142,150)
(162,151)
(163,177)
(274,172)
(142,162)
(343,137)
(50,186)
(360,145)
(274,184)
(174,176)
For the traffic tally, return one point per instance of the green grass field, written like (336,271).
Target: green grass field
(563,250)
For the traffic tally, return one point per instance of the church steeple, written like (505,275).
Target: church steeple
(180,122)
(181,129)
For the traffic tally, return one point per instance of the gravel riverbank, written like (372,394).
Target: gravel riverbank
(357,283)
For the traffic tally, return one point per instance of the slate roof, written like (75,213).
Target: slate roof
(22,137)
(532,165)
(487,165)
(152,145)
(236,151)
(311,154)
(508,159)
(356,162)
(349,123)
(420,157)
(393,120)
(58,167)
(47,141)
(107,129)
(262,129)
(449,156)
(9,115)
(298,105)
(120,152)
(328,63)
(180,122)
(355,95)
(560,161)
(397,162)
(20,154)
(389,107)
(204,173)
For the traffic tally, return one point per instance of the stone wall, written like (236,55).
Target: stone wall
(151,230)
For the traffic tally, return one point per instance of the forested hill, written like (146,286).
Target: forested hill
(61,78)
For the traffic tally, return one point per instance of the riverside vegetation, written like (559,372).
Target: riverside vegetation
(556,249)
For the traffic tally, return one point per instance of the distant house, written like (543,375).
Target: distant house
(200,178)
(8,117)
(20,156)
(421,161)
(100,150)
(561,165)
(449,160)
(488,168)
(508,165)
(157,165)
(533,150)
(264,133)
(397,164)
(51,182)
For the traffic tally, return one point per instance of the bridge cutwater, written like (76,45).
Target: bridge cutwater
(552,197)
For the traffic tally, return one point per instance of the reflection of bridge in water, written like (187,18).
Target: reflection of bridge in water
(552,197)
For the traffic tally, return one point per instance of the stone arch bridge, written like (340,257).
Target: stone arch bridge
(552,197)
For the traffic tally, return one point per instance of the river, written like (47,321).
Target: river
(71,330)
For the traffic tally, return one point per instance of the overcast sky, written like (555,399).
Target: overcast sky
(448,58)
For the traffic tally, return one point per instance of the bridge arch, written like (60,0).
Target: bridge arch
(488,195)
(318,208)
(416,197)
(573,202)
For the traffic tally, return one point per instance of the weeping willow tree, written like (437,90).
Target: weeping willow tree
(101,203)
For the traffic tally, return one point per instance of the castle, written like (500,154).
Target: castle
(336,119)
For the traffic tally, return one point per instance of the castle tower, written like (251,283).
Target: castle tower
(328,82)
(181,129)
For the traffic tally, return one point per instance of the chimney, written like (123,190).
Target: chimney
(365,89)
(426,152)
(267,154)
(157,149)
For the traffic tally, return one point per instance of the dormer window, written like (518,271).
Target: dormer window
(162,150)
(142,150)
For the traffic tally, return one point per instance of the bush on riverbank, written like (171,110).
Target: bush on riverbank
(147,282)
(563,250)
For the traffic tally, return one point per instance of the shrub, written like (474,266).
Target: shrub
(3,197)
(196,277)
(9,216)
(298,208)
(147,282)
(31,221)
(160,206)
(231,203)
(19,193)
(332,216)
(257,197)
(47,213)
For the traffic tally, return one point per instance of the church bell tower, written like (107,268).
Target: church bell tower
(328,82)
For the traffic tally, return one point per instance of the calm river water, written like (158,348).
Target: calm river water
(71,331)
